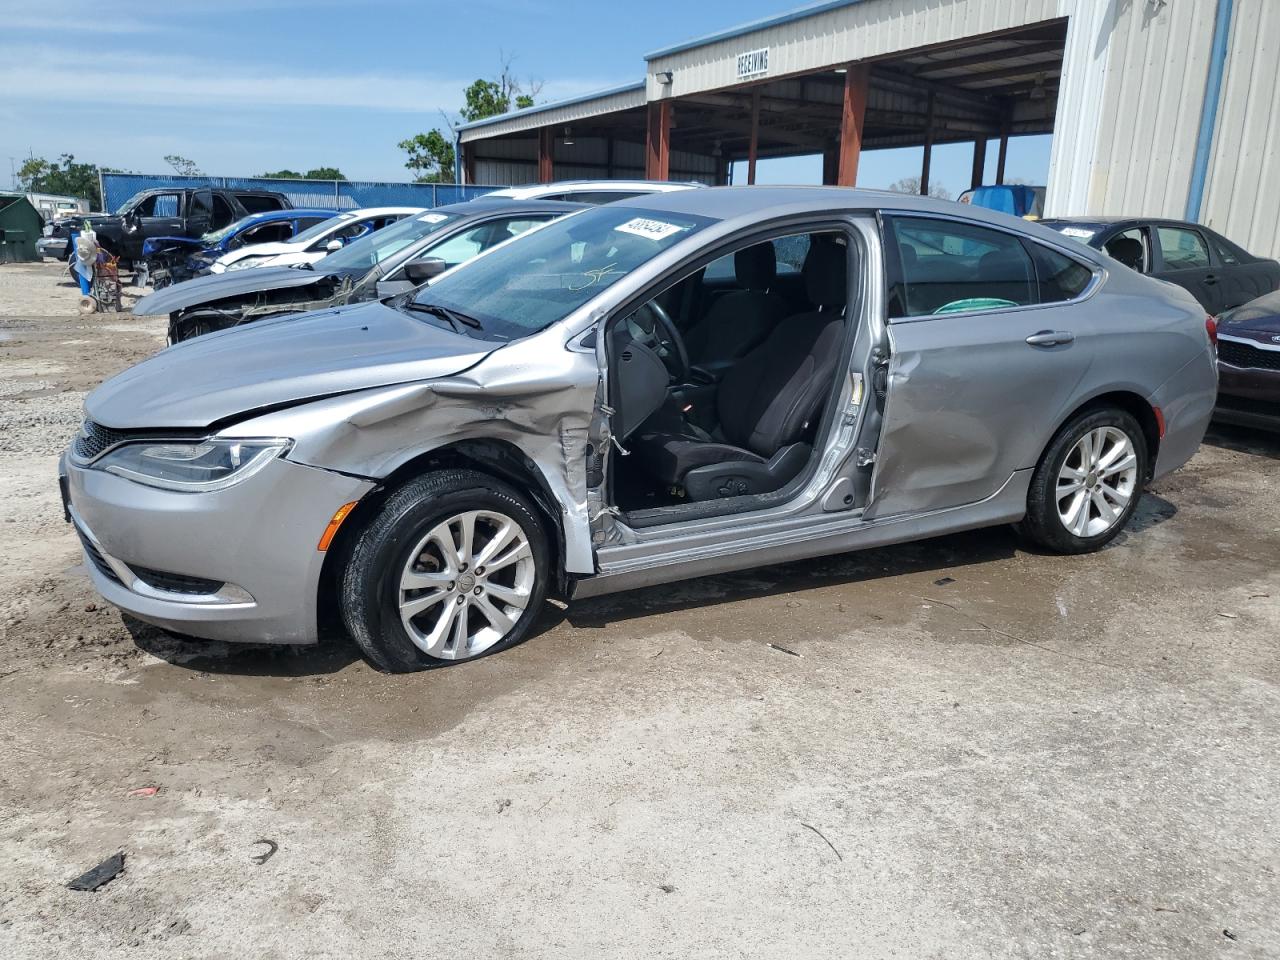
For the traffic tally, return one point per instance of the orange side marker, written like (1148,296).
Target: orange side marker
(331,530)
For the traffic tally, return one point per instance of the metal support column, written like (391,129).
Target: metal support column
(856,80)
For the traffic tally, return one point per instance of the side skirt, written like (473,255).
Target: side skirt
(825,537)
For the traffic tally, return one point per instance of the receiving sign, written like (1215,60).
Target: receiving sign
(753,63)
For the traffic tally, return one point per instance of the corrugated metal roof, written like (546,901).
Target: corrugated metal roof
(556,105)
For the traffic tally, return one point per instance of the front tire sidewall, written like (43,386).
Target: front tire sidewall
(1043,525)
(371,582)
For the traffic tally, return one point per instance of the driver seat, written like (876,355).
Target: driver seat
(1128,251)
(766,402)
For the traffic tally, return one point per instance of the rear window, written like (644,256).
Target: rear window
(257,203)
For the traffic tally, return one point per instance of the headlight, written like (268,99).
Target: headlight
(194,467)
(244,262)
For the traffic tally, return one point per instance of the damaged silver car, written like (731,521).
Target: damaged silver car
(661,388)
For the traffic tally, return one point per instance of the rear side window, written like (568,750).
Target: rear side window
(1058,277)
(256,203)
(1225,253)
(1182,249)
(952,267)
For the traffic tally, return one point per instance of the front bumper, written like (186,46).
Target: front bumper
(1248,396)
(256,541)
(55,247)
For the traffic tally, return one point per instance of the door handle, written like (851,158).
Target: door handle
(1051,338)
(1211,279)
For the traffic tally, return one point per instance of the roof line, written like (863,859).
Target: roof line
(540,108)
(799,13)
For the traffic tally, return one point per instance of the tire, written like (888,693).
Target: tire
(188,326)
(399,557)
(1068,490)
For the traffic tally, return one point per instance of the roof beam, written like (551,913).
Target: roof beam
(978,60)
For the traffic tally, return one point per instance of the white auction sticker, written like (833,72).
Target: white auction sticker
(1079,233)
(433,218)
(649,229)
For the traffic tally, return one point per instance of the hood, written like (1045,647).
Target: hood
(220,286)
(275,363)
(1257,320)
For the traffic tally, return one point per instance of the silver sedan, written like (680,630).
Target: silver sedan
(666,387)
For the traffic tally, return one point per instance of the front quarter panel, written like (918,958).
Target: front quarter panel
(534,395)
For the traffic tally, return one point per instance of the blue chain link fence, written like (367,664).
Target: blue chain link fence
(325,194)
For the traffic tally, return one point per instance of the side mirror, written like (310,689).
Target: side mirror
(428,268)
(333,245)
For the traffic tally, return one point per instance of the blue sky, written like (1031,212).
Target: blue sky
(243,86)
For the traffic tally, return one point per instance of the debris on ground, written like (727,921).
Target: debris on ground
(1229,935)
(144,792)
(262,858)
(503,804)
(667,887)
(792,653)
(100,875)
(943,581)
(824,839)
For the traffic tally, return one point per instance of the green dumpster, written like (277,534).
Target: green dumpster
(20,226)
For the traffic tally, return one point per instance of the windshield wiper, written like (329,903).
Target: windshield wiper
(456,319)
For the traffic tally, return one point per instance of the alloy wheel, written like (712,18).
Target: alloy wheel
(466,584)
(1097,481)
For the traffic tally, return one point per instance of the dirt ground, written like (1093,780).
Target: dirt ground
(1043,757)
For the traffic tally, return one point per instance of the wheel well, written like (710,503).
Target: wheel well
(497,458)
(1133,404)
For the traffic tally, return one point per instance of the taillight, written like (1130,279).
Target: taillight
(1211,328)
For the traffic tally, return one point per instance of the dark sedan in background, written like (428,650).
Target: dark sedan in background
(1249,364)
(1218,273)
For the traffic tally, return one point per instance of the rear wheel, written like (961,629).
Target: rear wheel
(1088,483)
(454,567)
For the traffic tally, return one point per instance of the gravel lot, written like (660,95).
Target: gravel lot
(1047,757)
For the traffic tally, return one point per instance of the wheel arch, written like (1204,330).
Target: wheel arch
(1125,399)
(500,459)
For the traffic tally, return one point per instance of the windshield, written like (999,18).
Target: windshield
(540,278)
(321,228)
(370,250)
(217,236)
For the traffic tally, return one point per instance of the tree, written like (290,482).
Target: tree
(64,176)
(431,154)
(182,166)
(912,185)
(431,157)
(319,173)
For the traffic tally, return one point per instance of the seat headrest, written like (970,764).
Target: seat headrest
(825,274)
(1012,266)
(756,267)
(1127,250)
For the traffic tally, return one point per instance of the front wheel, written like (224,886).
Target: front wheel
(453,567)
(1088,483)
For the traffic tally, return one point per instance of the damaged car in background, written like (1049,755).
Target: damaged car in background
(636,394)
(168,260)
(394,259)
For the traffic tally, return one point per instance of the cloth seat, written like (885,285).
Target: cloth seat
(768,399)
(739,321)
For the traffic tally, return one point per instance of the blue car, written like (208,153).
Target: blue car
(172,259)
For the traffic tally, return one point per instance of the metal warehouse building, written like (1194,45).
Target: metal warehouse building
(1156,107)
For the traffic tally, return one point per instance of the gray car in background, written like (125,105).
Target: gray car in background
(661,388)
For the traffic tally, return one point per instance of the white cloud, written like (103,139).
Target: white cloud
(44,75)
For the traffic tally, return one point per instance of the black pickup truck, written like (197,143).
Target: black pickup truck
(163,212)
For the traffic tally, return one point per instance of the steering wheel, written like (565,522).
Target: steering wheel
(662,337)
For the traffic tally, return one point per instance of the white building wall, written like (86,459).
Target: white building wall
(1242,198)
(1128,120)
